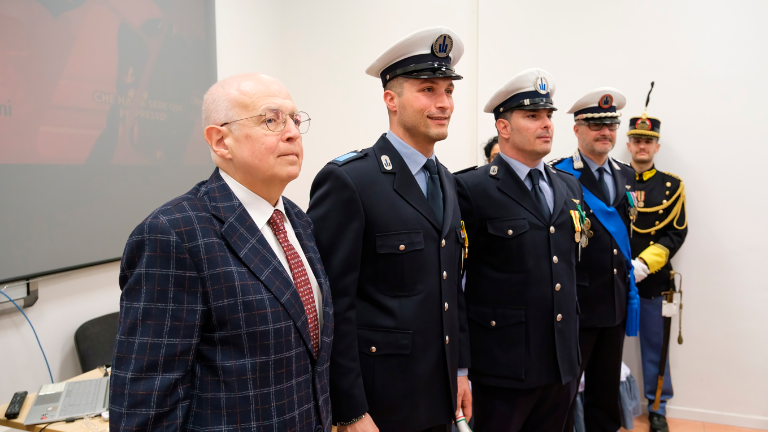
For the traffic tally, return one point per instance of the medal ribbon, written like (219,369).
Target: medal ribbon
(612,222)
(576,223)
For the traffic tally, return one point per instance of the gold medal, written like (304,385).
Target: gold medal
(640,204)
(577,236)
(590,234)
(587,224)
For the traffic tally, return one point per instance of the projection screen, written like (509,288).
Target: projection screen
(99,123)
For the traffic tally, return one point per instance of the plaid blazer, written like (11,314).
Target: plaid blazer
(213,335)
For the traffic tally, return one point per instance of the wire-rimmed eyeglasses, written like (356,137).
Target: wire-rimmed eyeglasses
(276,119)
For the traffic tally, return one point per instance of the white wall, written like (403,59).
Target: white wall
(705,58)
(710,95)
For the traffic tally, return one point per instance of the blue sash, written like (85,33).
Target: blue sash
(611,220)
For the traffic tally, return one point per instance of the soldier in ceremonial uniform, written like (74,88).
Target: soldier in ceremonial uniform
(387,224)
(659,233)
(605,280)
(524,220)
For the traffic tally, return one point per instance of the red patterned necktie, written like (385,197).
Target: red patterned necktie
(300,277)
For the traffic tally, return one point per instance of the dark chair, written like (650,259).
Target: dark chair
(95,341)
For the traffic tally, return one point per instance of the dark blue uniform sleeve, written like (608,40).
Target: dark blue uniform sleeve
(339,221)
(162,312)
(468,217)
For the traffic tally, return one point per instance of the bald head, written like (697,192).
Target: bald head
(231,98)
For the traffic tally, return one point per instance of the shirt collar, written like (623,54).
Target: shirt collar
(412,157)
(594,166)
(522,169)
(645,175)
(256,206)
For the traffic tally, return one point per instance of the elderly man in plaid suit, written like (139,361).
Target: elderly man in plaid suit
(226,319)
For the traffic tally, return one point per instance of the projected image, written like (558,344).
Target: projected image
(104,82)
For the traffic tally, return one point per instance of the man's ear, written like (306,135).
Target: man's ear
(576,130)
(216,137)
(390,100)
(503,128)
(628,147)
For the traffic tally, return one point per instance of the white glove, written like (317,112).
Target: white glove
(641,270)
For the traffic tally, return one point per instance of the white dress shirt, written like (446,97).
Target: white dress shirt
(260,211)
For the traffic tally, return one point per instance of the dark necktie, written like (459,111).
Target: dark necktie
(603,185)
(300,277)
(434,197)
(538,195)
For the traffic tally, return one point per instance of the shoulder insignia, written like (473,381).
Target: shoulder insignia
(672,175)
(554,162)
(564,172)
(577,162)
(465,170)
(348,157)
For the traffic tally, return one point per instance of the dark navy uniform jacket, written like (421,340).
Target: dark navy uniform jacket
(400,325)
(601,275)
(521,278)
(658,246)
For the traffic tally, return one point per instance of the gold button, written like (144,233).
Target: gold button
(446,305)
(445,275)
(590,210)
(653,232)
(509,232)
(493,323)
(661,211)
(669,184)
(402,247)
(615,252)
(651,243)
(657,222)
(667,192)
(446,340)
(443,243)
(373,349)
(552,229)
(559,317)
(664,202)
(554,259)
(557,287)
(614,271)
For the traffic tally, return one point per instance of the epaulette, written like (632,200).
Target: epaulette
(563,171)
(348,157)
(554,162)
(622,162)
(672,175)
(465,170)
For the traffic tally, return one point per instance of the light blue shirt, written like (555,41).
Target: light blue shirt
(522,171)
(608,176)
(414,159)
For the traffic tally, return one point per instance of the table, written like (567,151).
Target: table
(18,423)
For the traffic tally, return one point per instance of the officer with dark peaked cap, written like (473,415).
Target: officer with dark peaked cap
(524,221)
(605,280)
(659,232)
(387,225)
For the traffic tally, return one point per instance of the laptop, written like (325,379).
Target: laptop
(76,399)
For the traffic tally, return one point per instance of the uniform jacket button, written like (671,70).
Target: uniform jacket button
(446,340)
(557,287)
(445,275)
(615,252)
(493,323)
(402,247)
(446,305)
(552,229)
(554,259)
(442,243)
(559,317)
(614,271)
(373,349)
(509,232)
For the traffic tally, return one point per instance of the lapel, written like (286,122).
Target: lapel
(303,234)
(511,184)
(589,181)
(559,191)
(405,184)
(619,183)
(449,198)
(247,241)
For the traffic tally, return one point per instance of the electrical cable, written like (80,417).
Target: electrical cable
(33,331)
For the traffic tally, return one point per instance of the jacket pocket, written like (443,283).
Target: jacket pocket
(497,335)
(400,263)
(386,369)
(508,228)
